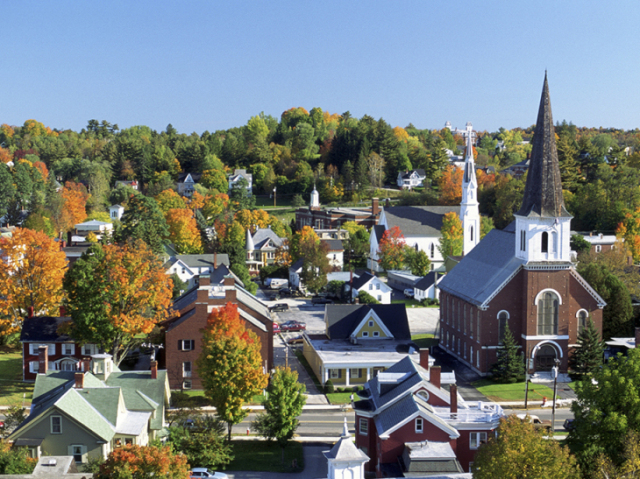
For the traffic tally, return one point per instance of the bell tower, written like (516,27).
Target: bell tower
(469,212)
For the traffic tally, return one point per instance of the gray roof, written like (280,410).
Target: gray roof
(342,319)
(333,244)
(44,329)
(379,231)
(187,298)
(297,265)
(249,300)
(262,235)
(543,191)
(202,260)
(221,272)
(418,220)
(426,282)
(480,273)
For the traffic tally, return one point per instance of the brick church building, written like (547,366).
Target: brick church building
(522,276)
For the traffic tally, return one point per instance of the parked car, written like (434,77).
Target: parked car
(321,300)
(536,421)
(569,425)
(277,283)
(198,472)
(279,307)
(293,326)
(409,293)
(276,328)
(295,340)
(284,292)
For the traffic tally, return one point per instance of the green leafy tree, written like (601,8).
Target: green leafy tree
(486,225)
(605,468)
(587,358)
(144,220)
(418,262)
(606,410)
(366,298)
(315,264)
(451,239)
(519,451)
(284,402)
(15,460)
(179,286)
(391,247)
(579,244)
(230,364)
(297,201)
(7,189)
(510,367)
(138,462)
(13,417)
(203,442)
(357,246)
(240,197)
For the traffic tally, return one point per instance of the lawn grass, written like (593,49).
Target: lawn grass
(266,456)
(13,391)
(424,340)
(409,303)
(573,384)
(512,392)
(341,398)
(196,398)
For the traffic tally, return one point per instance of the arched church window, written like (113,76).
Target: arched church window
(545,242)
(503,318)
(548,306)
(582,320)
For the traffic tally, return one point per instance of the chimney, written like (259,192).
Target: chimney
(375,208)
(154,369)
(63,244)
(79,376)
(424,358)
(637,337)
(215,260)
(63,311)
(454,398)
(30,312)
(230,295)
(86,364)
(434,376)
(43,359)
(204,280)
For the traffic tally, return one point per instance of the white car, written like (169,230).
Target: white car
(408,293)
(204,472)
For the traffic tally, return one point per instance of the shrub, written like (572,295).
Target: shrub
(329,388)
(366,298)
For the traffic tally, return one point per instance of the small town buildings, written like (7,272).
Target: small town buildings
(600,243)
(237,176)
(94,226)
(186,183)
(335,253)
(522,277)
(372,285)
(401,279)
(621,345)
(189,267)
(295,270)
(345,460)
(518,169)
(116,212)
(408,423)
(92,411)
(337,234)
(63,353)
(408,180)
(183,333)
(131,183)
(359,342)
(332,218)
(427,287)
(261,248)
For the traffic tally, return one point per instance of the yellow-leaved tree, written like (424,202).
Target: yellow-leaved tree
(31,272)
(183,231)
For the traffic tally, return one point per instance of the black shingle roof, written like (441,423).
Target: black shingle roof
(342,319)
(44,329)
(418,220)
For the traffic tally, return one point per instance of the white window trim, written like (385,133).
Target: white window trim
(363,422)
(479,437)
(419,425)
(51,424)
(365,334)
(63,346)
(376,334)
(34,367)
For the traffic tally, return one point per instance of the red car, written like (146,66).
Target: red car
(276,328)
(293,326)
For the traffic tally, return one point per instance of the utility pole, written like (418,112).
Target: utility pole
(286,356)
(555,388)
(274,196)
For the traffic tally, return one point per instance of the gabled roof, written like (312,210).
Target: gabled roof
(342,319)
(426,282)
(263,235)
(202,260)
(363,279)
(296,267)
(44,329)
(420,221)
(221,272)
(334,244)
(408,174)
(379,231)
(194,176)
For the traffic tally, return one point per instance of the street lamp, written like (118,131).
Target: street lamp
(274,196)
(555,388)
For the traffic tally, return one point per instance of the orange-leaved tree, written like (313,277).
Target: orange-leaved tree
(307,233)
(183,231)
(230,364)
(116,295)
(391,249)
(31,272)
(214,206)
(68,207)
(450,184)
(451,239)
(168,200)
(135,462)
(629,231)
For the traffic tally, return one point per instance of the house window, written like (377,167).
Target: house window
(335,373)
(471,323)
(379,297)
(476,439)
(545,243)
(370,287)
(523,240)
(365,334)
(186,369)
(378,286)
(433,250)
(56,424)
(478,358)
(186,345)
(186,384)
(33,349)
(363,426)
(77,451)
(458,346)
(548,306)
(478,328)
(68,349)
(114,214)
(419,425)
(464,319)
(355,373)
(448,340)
(371,324)
(34,366)
(471,354)
(582,320)
(503,318)
(87,349)
(464,349)
(598,248)
(376,334)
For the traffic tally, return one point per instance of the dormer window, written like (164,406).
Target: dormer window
(545,243)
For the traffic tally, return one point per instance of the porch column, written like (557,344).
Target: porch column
(325,375)
(346,376)
(368,374)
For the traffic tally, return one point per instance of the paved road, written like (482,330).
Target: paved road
(312,423)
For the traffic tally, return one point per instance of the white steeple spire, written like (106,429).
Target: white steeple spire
(469,213)
(315,198)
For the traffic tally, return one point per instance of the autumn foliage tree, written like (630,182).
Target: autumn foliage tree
(230,364)
(68,207)
(450,184)
(391,247)
(117,294)
(183,231)
(168,200)
(629,230)
(138,462)
(31,272)
(451,239)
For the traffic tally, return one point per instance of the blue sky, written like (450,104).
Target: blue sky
(209,65)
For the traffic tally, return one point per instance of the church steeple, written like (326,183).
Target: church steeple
(469,212)
(543,191)
(543,224)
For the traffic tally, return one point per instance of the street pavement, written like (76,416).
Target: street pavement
(315,466)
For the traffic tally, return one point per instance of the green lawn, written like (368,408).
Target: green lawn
(573,384)
(196,398)
(341,398)
(424,340)
(266,457)
(409,303)
(13,391)
(512,392)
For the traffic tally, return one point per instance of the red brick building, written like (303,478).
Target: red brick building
(408,422)
(522,276)
(183,334)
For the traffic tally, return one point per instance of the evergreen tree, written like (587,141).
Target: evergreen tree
(362,173)
(587,358)
(567,154)
(510,367)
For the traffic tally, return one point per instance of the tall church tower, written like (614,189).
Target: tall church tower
(469,213)
(543,224)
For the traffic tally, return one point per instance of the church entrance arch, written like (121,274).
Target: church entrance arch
(545,357)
